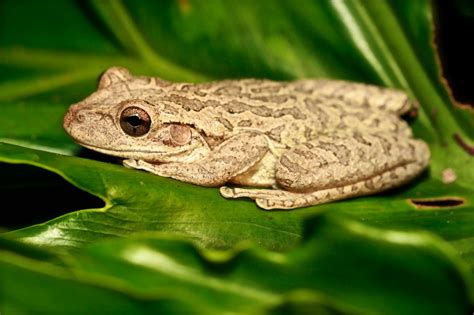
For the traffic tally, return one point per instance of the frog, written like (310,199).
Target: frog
(284,144)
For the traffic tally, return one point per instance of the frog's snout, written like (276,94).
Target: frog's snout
(71,116)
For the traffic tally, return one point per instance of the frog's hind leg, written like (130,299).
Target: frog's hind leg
(270,199)
(335,167)
(339,160)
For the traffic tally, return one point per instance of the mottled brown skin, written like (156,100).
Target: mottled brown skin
(312,141)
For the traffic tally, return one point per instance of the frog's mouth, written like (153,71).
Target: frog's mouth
(149,156)
(122,153)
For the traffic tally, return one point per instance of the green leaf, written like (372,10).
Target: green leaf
(341,267)
(50,62)
(154,203)
(150,203)
(42,134)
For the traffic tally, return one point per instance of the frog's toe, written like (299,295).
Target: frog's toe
(139,165)
(129,163)
(227,192)
(269,198)
(282,204)
(236,192)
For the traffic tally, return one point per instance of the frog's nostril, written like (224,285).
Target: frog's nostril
(72,114)
(79,117)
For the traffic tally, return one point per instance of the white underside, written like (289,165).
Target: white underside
(262,174)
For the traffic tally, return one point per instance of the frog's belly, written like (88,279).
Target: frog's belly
(261,174)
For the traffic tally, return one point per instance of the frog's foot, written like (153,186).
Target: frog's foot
(283,199)
(129,163)
(269,199)
(157,169)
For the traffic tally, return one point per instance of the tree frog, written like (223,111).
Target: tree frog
(283,144)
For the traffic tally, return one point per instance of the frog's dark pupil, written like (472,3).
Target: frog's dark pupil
(134,120)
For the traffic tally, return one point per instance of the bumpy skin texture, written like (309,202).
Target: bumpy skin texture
(310,141)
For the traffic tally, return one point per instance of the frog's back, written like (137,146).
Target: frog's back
(288,112)
(320,106)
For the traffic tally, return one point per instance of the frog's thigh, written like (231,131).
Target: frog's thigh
(318,172)
(338,161)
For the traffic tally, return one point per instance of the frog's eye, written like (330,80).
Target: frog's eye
(135,121)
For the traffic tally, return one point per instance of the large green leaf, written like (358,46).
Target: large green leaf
(139,201)
(51,54)
(45,68)
(341,267)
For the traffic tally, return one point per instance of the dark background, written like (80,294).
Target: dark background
(455,38)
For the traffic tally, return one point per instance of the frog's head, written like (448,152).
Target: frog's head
(122,119)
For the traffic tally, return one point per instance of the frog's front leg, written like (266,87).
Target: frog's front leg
(229,159)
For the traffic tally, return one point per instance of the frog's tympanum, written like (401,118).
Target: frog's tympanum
(295,143)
